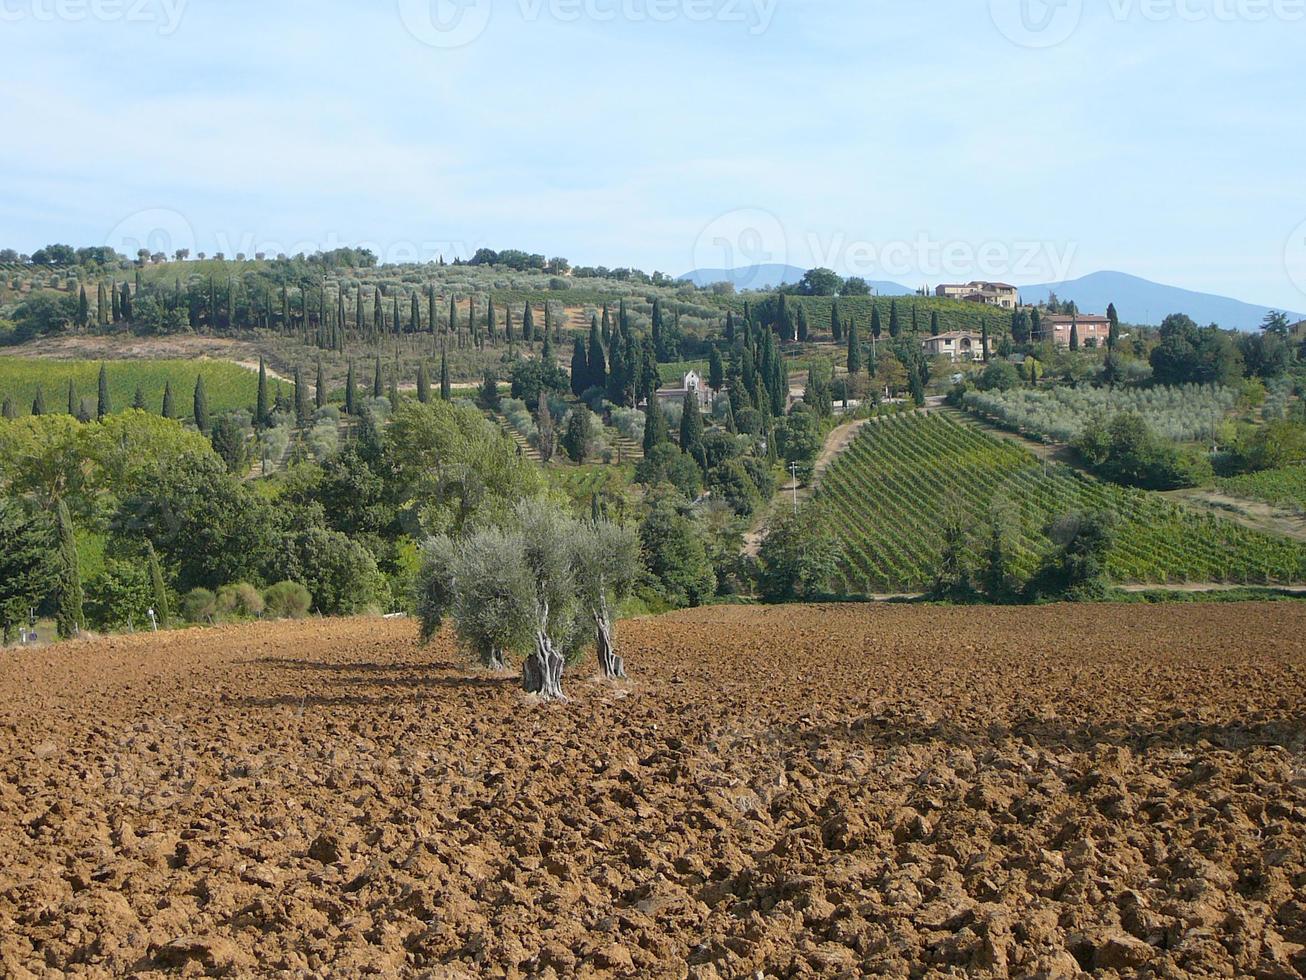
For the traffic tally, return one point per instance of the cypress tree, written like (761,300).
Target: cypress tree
(452,326)
(546,352)
(38,403)
(802,323)
(934,323)
(73,401)
(616,382)
(473,329)
(378,316)
(691,428)
(395,322)
(579,368)
(262,412)
(548,323)
(201,406)
(489,319)
(895,328)
(414,315)
(1074,333)
(507,326)
(716,374)
(836,325)
(320,388)
(423,383)
(138,400)
(655,426)
(394,385)
(730,326)
(659,344)
(605,328)
(378,380)
(876,330)
(116,308)
(984,341)
(1035,325)
(125,302)
(101,301)
(169,411)
(430,308)
(83,308)
(854,349)
(446,389)
(301,397)
(9,411)
(68,615)
(1113,335)
(528,325)
(598,368)
(351,393)
(102,404)
(360,319)
(915,326)
(161,611)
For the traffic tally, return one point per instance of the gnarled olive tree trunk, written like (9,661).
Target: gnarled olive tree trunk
(494,658)
(542,672)
(613,667)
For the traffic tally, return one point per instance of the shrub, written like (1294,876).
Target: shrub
(287,600)
(199,605)
(240,601)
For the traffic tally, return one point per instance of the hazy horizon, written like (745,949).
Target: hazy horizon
(885,141)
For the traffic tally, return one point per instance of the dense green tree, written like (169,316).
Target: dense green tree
(423,383)
(675,556)
(158,590)
(655,425)
(854,350)
(716,374)
(579,368)
(446,389)
(488,396)
(29,566)
(69,618)
(200,406)
(1076,567)
(103,406)
(799,558)
(691,429)
(302,411)
(598,368)
(580,437)
(229,442)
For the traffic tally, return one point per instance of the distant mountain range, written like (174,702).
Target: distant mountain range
(1137,300)
(770,276)
(1143,302)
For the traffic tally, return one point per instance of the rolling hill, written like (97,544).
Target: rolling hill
(770,276)
(1144,302)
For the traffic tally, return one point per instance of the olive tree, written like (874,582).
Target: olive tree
(537,584)
(607,566)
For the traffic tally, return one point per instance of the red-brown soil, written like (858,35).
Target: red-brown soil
(834,791)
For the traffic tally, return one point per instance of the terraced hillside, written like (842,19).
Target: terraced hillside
(887,497)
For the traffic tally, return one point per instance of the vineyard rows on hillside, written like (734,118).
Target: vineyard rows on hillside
(887,498)
(1284,487)
(1185,413)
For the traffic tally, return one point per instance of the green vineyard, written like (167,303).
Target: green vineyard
(1282,487)
(228,386)
(887,495)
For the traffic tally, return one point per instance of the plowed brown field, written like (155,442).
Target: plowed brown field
(787,791)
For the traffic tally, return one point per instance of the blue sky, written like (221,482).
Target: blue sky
(897,140)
